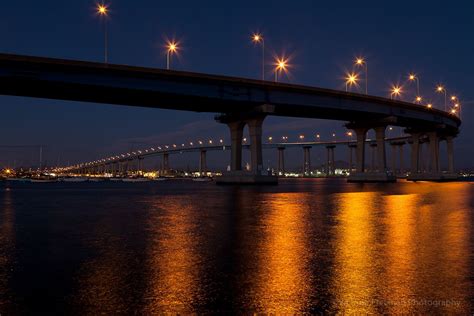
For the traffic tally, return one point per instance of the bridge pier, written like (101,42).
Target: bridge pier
(379,172)
(165,164)
(330,163)
(202,163)
(236,175)
(351,147)
(306,160)
(281,161)
(434,172)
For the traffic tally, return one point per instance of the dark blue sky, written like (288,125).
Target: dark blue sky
(432,38)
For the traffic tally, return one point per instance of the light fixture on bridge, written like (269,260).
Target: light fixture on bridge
(103,11)
(301,137)
(318,136)
(270,139)
(441,89)
(351,80)
(257,38)
(414,78)
(221,141)
(281,65)
(210,141)
(429,105)
(172,47)
(395,92)
(418,99)
(361,62)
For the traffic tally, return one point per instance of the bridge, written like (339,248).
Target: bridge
(238,102)
(123,164)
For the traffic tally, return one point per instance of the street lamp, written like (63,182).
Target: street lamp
(103,11)
(258,38)
(281,65)
(172,48)
(351,79)
(442,89)
(302,137)
(359,61)
(395,92)
(414,77)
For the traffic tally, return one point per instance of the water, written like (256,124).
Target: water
(178,246)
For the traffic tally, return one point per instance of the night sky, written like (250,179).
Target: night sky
(431,38)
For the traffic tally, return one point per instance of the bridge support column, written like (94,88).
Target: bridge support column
(450,149)
(394,157)
(236,135)
(330,168)
(381,154)
(256,154)
(306,160)
(415,153)
(379,173)
(281,160)
(237,175)
(165,163)
(402,167)
(139,165)
(202,163)
(351,162)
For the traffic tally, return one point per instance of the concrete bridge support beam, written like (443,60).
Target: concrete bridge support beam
(450,149)
(400,151)
(434,153)
(360,134)
(330,168)
(202,163)
(236,136)
(281,160)
(306,160)
(415,153)
(237,175)
(381,154)
(165,163)
(256,154)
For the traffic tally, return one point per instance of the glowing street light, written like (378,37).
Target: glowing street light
(318,137)
(172,48)
(301,137)
(103,12)
(442,89)
(281,65)
(429,105)
(270,139)
(359,61)
(351,79)
(395,92)
(413,77)
(257,38)
(418,99)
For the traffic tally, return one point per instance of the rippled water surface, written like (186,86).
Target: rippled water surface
(180,246)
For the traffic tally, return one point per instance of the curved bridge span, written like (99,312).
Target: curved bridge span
(239,102)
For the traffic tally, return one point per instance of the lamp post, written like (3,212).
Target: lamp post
(416,79)
(172,47)
(258,38)
(351,79)
(396,92)
(362,62)
(102,11)
(281,64)
(442,89)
